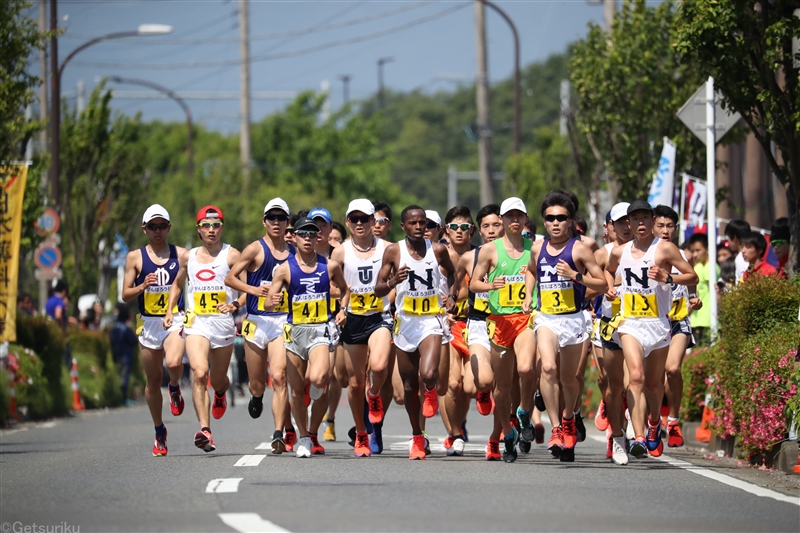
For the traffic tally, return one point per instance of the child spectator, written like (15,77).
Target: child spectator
(735,230)
(753,246)
(780,238)
(701,318)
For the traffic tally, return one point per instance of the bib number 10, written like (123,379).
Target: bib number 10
(427,305)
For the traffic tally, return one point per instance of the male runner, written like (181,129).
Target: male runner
(412,267)
(149,272)
(263,330)
(645,264)
(208,326)
(367,334)
(505,262)
(557,263)
(307,277)
(682,339)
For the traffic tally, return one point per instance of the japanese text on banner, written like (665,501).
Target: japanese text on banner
(12,192)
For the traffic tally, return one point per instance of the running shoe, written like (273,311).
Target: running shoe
(539,429)
(367,422)
(457,449)
(307,395)
(427,443)
(618,453)
(160,447)
(255,407)
(304,447)
(431,404)
(376,439)
(601,418)
(514,422)
(580,427)
(524,447)
(629,431)
(204,441)
(675,439)
(526,432)
(653,437)
(447,444)
(290,439)
(418,444)
(330,432)
(278,446)
(361,448)
(176,403)
(510,447)
(570,437)
(638,448)
(658,451)
(484,403)
(219,405)
(664,411)
(464,432)
(556,443)
(351,434)
(375,408)
(538,401)
(493,450)
(316,447)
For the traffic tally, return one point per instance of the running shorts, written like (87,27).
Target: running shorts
(570,329)
(335,332)
(504,329)
(683,326)
(151,330)
(589,318)
(447,334)
(652,333)
(596,340)
(359,328)
(460,335)
(260,330)
(410,331)
(300,339)
(477,333)
(220,330)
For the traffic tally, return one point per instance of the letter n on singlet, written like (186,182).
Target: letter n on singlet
(643,282)
(413,279)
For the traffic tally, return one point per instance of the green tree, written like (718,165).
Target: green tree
(19,36)
(631,84)
(747,47)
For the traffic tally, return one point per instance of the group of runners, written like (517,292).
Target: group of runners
(429,322)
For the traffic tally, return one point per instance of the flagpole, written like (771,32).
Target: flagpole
(683,220)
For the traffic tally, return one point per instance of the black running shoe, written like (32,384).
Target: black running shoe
(510,448)
(278,445)
(255,406)
(352,435)
(580,427)
(524,446)
(526,431)
(539,402)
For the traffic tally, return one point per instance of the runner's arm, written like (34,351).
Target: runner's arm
(337,278)
(281,276)
(672,256)
(387,282)
(611,268)
(132,266)
(594,279)
(443,257)
(530,277)
(176,289)
(476,283)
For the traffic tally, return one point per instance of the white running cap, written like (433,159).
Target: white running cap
(155,211)
(430,214)
(511,204)
(619,211)
(360,204)
(277,203)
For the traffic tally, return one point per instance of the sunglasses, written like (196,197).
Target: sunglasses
(209,225)
(553,218)
(382,220)
(158,227)
(306,234)
(463,227)
(430,224)
(527,235)
(272,217)
(356,219)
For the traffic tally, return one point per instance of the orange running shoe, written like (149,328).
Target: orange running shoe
(375,408)
(675,438)
(361,448)
(204,441)
(219,405)
(316,447)
(431,404)
(175,401)
(556,443)
(447,444)
(493,450)
(160,447)
(601,418)
(484,403)
(290,439)
(418,446)
(569,433)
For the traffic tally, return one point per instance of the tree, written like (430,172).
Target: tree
(631,84)
(747,48)
(19,36)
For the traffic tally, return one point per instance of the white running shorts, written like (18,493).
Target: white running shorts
(652,333)
(570,329)
(260,330)
(410,331)
(220,330)
(478,334)
(153,334)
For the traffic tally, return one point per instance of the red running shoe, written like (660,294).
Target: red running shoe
(569,432)
(493,450)
(361,448)
(160,447)
(219,405)
(204,441)
(556,439)
(675,438)
(176,403)
(431,404)
(375,408)
(316,447)
(601,418)
(418,445)
(290,439)
(484,403)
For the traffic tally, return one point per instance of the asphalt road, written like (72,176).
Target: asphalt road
(95,472)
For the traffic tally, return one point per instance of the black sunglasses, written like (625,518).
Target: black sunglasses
(156,227)
(276,216)
(355,219)
(430,224)
(553,218)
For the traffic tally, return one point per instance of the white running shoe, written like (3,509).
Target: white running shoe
(457,449)
(618,453)
(629,431)
(304,447)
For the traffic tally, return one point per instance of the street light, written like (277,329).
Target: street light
(181,102)
(55,86)
(381,62)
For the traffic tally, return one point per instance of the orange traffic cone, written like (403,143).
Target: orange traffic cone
(797,466)
(703,433)
(77,401)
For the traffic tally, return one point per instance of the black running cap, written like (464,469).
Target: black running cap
(639,205)
(306,224)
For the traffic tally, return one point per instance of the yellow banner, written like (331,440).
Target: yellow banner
(12,192)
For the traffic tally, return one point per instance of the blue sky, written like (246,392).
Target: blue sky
(429,41)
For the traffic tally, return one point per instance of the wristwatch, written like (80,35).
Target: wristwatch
(579,277)
(236,304)
(669,279)
(693,295)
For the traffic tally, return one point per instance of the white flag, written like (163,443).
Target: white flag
(661,189)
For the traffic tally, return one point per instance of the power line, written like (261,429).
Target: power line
(281,55)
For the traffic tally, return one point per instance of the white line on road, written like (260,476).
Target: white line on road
(250,523)
(250,460)
(224,485)
(264,446)
(722,478)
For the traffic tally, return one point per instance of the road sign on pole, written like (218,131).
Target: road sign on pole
(47,256)
(48,223)
(693,114)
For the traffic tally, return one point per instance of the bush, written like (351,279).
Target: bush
(42,335)
(697,368)
(31,387)
(5,399)
(98,377)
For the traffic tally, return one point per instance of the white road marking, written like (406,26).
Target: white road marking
(264,446)
(250,460)
(250,523)
(47,425)
(722,478)
(224,485)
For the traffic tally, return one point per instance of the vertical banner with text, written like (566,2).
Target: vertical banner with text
(696,194)
(12,192)
(663,182)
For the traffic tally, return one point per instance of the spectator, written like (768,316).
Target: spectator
(338,234)
(56,306)
(753,246)
(727,274)
(87,319)
(780,238)
(701,318)
(123,342)
(735,230)
(25,304)
(723,252)
(97,320)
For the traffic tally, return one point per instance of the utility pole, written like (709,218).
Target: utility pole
(482,101)
(244,101)
(43,75)
(381,62)
(609,9)
(346,82)
(55,109)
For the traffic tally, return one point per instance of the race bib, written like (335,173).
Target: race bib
(396,330)
(310,311)
(616,306)
(282,307)
(155,301)
(205,303)
(679,309)
(607,329)
(558,298)
(482,302)
(188,319)
(641,305)
(465,335)
(361,304)
(461,308)
(513,293)
(421,306)
(248,329)
(139,325)
(491,326)
(287,332)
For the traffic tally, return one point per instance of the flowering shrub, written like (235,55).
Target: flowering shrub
(31,387)
(697,371)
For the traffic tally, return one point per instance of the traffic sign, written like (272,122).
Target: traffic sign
(47,256)
(693,114)
(48,223)
(47,274)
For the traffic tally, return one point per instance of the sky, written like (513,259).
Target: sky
(431,43)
